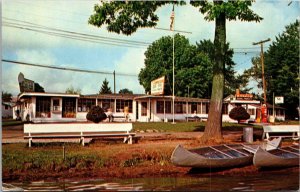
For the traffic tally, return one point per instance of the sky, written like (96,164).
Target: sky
(33,31)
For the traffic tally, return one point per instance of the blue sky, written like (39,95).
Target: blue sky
(39,48)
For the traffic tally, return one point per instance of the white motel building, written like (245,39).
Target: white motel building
(40,107)
(61,107)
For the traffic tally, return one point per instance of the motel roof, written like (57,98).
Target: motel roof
(47,94)
(110,96)
(183,99)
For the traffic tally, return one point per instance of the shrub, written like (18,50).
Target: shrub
(239,113)
(96,114)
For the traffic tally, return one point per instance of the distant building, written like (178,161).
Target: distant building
(7,111)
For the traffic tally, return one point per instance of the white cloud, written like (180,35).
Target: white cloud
(130,63)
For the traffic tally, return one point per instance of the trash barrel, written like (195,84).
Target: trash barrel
(248,134)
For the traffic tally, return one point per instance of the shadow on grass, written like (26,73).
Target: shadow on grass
(230,127)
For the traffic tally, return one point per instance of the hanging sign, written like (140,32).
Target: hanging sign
(157,86)
(279,100)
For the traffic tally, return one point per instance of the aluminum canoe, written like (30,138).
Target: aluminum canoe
(222,156)
(281,157)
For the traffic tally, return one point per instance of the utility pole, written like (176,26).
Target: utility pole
(263,67)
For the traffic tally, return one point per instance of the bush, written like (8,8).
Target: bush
(96,114)
(239,113)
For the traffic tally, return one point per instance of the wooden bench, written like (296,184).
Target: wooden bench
(195,118)
(292,131)
(78,130)
(120,117)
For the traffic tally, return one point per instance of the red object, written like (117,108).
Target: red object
(264,115)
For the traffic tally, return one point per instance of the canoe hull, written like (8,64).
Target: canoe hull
(185,158)
(263,158)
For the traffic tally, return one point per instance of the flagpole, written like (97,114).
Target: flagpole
(173,77)
(173,29)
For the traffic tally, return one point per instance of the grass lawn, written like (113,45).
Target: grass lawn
(11,122)
(185,126)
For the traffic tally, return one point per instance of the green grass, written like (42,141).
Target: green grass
(168,127)
(20,157)
(11,122)
(185,126)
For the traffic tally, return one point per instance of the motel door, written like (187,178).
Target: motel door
(69,108)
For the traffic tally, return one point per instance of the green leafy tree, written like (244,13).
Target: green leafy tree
(127,17)
(38,88)
(72,90)
(6,97)
(281,69)
(232,81)
(191,67)
(105,89)
(125,91)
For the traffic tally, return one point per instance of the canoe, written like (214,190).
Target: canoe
(281,157)
(222,156)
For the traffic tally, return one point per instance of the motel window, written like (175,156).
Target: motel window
(279,112)
(121,104)
(107,104)
(69,107)
(43,105)
(6,107)
(144,109)
(56,105)
(180,107)
(84,105)
(192,108)
(160,106)
(205,108)
(199,108)
(251,111)
(225,108)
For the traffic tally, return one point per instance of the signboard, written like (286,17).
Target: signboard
(157,86)
(25,84)
(244,96)
(240,96)
(279,100)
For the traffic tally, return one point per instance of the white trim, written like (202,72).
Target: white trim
(245,101)
(48,94)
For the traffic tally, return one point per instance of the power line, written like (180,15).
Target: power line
(42,28)
(66,68)
(179,31)
(76,37)
(86,37)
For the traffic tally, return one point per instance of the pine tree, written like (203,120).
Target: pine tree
(105,89)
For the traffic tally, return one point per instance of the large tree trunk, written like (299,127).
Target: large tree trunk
(213,127)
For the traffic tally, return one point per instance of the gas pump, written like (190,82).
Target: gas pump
(264,115)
